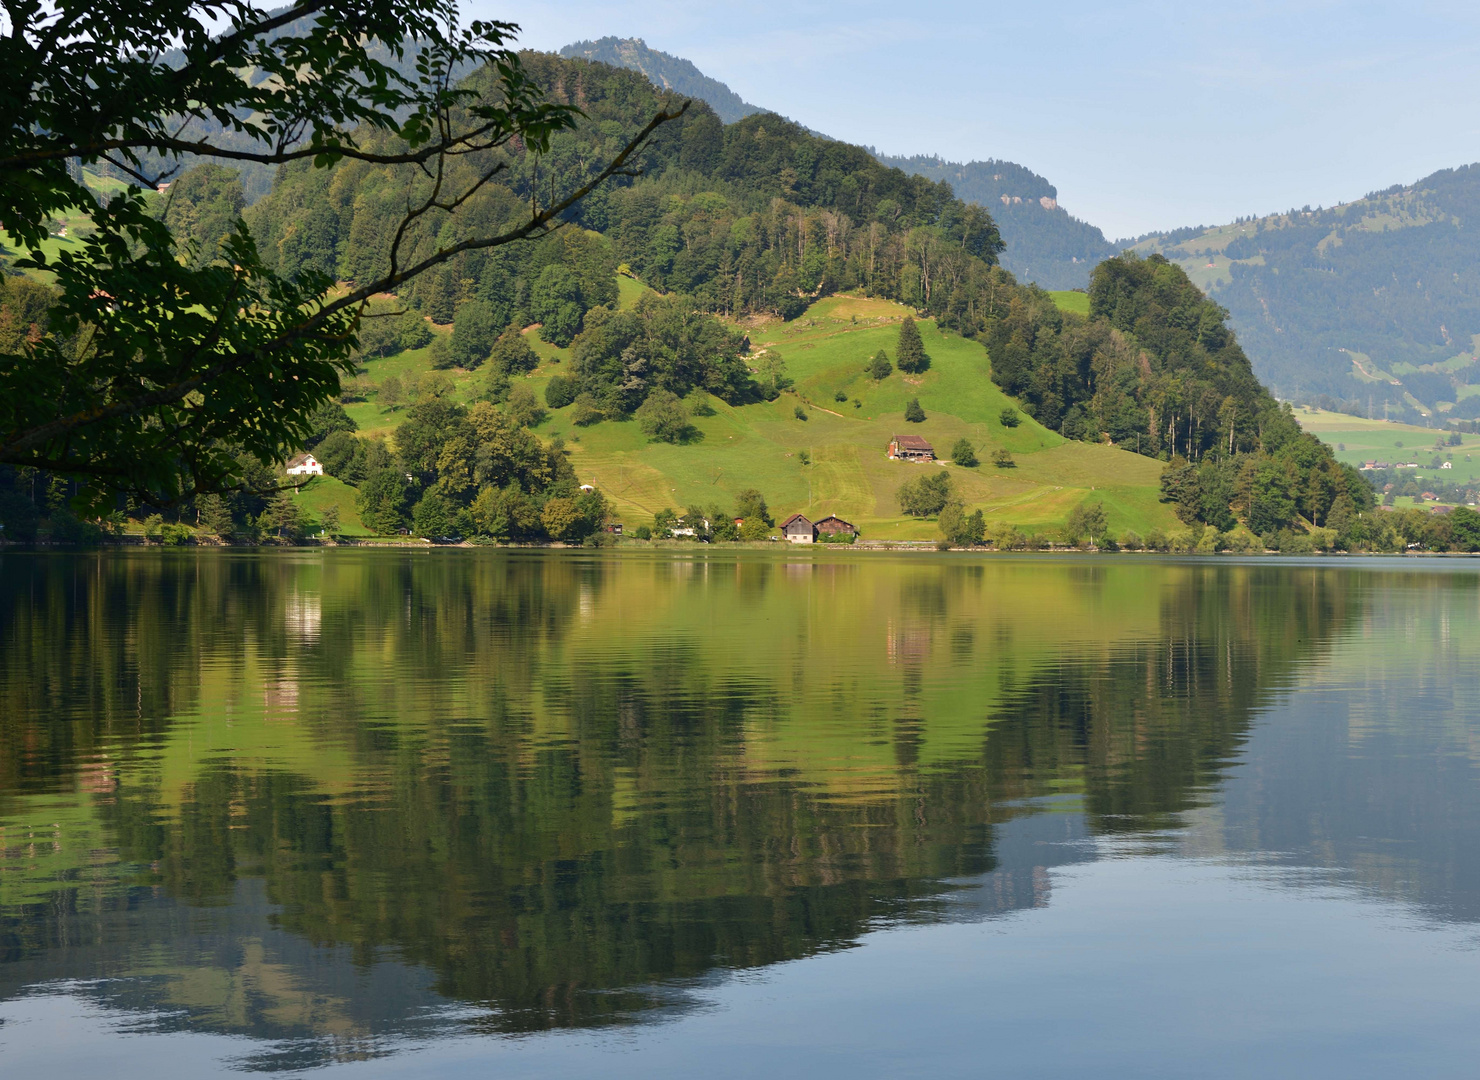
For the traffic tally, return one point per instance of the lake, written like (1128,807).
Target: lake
(463,812)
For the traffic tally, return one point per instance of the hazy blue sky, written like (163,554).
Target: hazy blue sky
(1146,115)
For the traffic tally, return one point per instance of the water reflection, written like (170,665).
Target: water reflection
(314,798)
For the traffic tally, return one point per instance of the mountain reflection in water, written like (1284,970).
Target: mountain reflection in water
(339,801)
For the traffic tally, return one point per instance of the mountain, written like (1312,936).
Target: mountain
(1045,244)
(1372,306)
(737,316)
(669,72)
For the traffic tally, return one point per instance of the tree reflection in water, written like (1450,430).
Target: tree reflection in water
(312,797)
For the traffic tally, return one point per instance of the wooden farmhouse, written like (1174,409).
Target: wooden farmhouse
(832,525)
(911,448)
(798,530)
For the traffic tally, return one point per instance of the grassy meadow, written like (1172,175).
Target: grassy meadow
(766,446)
(1071,300)
(1355,440)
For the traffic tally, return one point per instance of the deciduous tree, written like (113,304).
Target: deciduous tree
(158,375)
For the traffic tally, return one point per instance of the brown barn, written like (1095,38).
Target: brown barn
(836,526)
(911,448)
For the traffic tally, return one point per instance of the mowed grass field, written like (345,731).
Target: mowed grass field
(1355,440)
(765,446)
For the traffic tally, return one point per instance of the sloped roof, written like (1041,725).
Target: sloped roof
(912,442)
(795,518)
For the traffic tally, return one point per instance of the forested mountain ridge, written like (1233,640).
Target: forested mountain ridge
(1372,306)
(666,71)
(757,216)
(1045,243)
(647,301)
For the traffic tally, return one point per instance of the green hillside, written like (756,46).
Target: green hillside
(757,309)
(1372,306)
(760,445)
(1445,463)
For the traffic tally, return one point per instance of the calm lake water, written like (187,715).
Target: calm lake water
(525,814)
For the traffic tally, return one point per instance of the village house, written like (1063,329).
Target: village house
(798,530)
(832,525)
(304,465)
(910,448)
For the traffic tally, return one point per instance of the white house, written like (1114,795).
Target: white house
(304,465)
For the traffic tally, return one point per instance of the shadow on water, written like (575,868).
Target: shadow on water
(313,798)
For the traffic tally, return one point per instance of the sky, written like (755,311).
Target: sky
(1145,115)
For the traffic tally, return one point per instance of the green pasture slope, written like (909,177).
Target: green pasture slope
(761,445)
(1355,440)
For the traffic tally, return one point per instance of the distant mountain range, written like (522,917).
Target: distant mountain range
(1374,304)
(1044,243)
(670,72)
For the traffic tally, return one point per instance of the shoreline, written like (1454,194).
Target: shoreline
(633,546)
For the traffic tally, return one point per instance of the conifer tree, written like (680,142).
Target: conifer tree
(913,413)
(910,356)
(880,367)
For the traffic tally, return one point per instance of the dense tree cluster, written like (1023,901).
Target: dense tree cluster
(1156,369)
(459,471)
(663,344)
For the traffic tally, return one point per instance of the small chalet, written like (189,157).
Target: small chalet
(832,525)
(911,448)
(614,527)
(798,530)
(304,465)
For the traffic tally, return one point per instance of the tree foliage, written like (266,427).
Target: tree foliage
(167,363)
(910,353)
(663,417)
(926,495)
(662,344)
